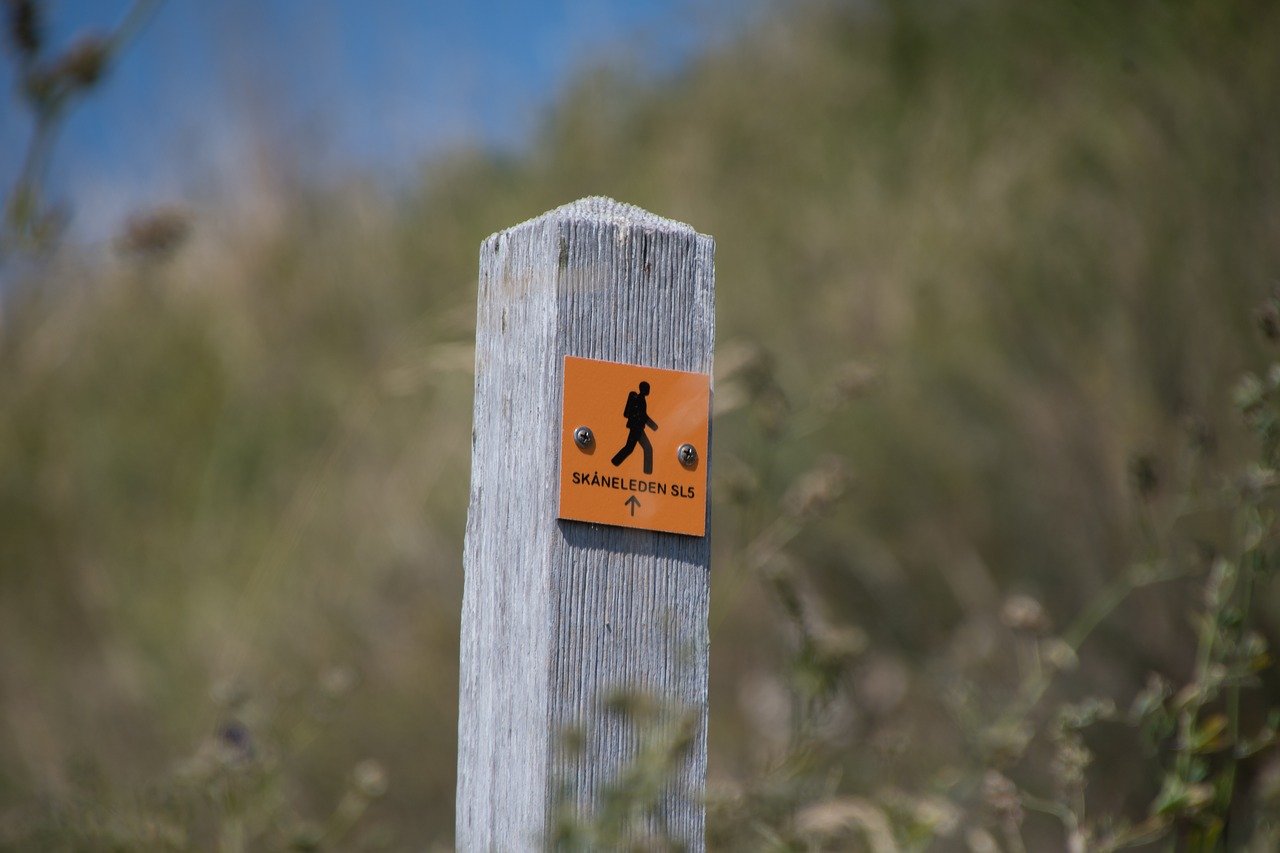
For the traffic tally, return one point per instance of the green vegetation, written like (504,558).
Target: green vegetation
(995,523)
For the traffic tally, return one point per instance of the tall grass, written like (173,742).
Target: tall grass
(986,278)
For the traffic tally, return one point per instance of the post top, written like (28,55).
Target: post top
(598,208)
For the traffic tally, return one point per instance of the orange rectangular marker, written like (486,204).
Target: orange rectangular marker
(633,446)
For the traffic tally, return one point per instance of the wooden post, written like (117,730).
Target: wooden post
(557,616)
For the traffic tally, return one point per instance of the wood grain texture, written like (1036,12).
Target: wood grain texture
(560,615)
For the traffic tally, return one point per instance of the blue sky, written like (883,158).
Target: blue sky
(371,87)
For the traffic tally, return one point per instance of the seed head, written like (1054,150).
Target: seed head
(1145,476)
(817,487)
(370,779)
(1001,796)
(1024,613)
(1059,654)
(235,742)
(24,26)
(155,233)
(83,63)
(1267,316)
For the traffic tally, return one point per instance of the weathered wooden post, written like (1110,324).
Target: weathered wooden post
(587,551)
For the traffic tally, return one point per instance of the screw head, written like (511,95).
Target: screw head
(584,438)
(688,455)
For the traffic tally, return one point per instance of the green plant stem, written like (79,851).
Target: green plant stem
(24,201)
(1062,812)
(134,20)
(757,554)
(1104,605)
(1187,717)
(1248,564)
(232,836)
(1084,625)
(1013,836)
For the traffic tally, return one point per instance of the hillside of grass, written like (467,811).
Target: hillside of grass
(987,274)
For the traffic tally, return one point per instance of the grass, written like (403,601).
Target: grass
(987,276)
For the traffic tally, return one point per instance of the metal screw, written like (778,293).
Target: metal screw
(688,455)
(584,438)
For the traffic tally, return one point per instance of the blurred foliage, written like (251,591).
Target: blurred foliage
(987,273)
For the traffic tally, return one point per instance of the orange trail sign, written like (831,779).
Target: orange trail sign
(633,446)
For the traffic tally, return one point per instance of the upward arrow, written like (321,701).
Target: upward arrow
(633,502)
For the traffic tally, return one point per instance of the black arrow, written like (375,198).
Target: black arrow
(633,502)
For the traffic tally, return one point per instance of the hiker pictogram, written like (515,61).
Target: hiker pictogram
(637,414)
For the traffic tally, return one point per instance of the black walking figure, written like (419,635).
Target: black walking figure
(637,415)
